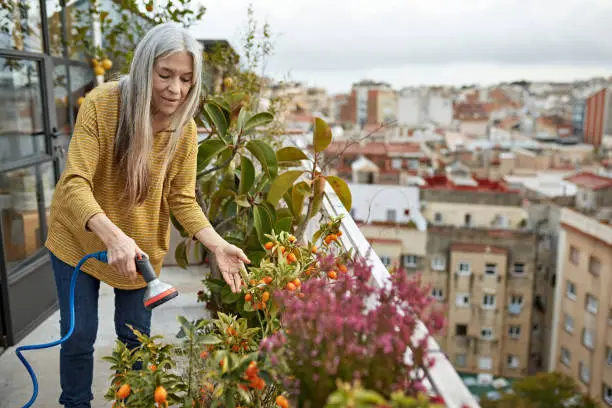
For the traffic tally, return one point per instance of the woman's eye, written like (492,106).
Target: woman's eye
(186,80)
(164,76)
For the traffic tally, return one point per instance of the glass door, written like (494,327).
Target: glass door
(29,164)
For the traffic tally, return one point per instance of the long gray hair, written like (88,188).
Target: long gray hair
(134,138)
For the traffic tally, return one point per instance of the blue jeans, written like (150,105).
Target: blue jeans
(76,353)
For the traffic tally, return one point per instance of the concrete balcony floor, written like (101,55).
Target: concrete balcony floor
(15,383)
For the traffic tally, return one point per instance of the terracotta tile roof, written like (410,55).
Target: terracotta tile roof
(480,248)
(444,183)
(471,111)
(590,180)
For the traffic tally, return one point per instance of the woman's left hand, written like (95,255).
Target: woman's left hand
(230,260)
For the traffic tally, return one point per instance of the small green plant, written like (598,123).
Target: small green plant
(355,396)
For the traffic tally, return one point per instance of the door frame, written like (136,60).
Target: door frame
(38,263)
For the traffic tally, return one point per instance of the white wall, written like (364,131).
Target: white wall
(410,110)
(440,110)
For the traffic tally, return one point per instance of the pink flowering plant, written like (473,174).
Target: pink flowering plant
(349,329)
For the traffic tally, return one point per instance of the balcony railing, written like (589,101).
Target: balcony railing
(442,377)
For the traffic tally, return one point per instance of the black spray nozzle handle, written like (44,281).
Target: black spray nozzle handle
(144,267)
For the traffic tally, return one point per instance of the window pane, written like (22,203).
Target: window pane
(20,193)
(20,25)
(54,25)
(21,114)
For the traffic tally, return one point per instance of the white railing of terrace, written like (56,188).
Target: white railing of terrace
(442,377)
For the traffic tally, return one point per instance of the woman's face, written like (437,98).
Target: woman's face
(172,79)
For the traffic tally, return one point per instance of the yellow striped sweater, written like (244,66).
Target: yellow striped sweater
(89,185)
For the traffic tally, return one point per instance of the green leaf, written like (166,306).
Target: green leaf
(259,119)
(208,150)
(219,121)
(266,156)
(281,184)
(242,201)
(247,175)
(180,254)
(210,339)
(227,297)
(283,224)
(263,223)
(342,190)
(242,117)
(216,200)
(290,153)
(322,135)
(298,193)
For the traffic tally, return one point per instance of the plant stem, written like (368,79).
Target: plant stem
(219,167)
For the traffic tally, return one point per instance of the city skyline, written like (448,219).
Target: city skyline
(438,42)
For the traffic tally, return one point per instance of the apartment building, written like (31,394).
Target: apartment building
(598,116)
(481,259)
(582,327)
(485,278)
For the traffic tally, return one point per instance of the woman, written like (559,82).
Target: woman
(131,160)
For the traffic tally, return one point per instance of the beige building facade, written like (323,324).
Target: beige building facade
(582,323)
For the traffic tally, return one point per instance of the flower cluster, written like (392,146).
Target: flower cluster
(349,329)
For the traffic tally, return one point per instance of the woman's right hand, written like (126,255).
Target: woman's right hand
(122,252)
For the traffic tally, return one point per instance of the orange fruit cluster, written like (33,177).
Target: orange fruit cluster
(282,402)
(332,237)
(252,375)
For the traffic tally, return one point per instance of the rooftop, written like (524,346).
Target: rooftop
(445,183)
(590,181)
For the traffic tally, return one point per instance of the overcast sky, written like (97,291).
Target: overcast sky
(333,43)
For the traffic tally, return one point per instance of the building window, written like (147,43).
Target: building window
(568,323)
(488,302)
(587,338)
(516,300)
(574,255)
(571,290)
(463,299)
(410,261)
(486,333)
(535,329)
(566,356)
(437,293)
(468,220)
(461,330)
(591,304)
(607,393)
(438,263)
(609,355)
(386,260)
(391,215)
(594,266)
(396,164)
(500,221)
(519,269)
(513,361)
(438,218)
(514,331)
(485,363)
(490,269)
(583,370)
(464,268)
(461,360)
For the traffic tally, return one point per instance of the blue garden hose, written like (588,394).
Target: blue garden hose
(100,256)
